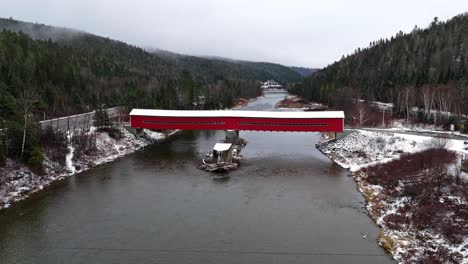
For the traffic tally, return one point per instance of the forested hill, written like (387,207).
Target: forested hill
(214,68)
(304,71)
(68,71)
(204,70)
(411,69)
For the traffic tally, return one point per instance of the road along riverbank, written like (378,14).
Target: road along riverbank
(414,191)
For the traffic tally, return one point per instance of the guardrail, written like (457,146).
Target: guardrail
(78,121)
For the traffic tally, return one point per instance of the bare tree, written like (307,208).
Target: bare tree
(439,143)
(458,170)
(362,114)
(383,117)
(405,100)
(408,100)
(428,99)
(438,172)
(444,99)
(26,99)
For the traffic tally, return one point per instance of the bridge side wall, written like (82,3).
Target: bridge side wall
(239,123)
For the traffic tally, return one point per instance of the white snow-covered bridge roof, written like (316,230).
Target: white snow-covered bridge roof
(237,113)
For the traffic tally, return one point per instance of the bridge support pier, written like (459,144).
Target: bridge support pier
(232,136)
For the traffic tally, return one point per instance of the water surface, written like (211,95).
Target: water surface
(286,204)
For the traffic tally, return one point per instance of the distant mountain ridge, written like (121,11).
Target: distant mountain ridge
(303,71)
(204,69)
(210,68)
(69,71)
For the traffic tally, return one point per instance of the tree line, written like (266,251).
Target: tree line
(43,79)
(424,73)
(209,70)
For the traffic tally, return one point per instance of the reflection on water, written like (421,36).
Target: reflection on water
(286,204)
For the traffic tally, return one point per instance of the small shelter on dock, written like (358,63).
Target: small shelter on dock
(222,152)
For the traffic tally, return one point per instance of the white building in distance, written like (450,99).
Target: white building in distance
(271,85)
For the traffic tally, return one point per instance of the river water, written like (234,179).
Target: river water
(286,204)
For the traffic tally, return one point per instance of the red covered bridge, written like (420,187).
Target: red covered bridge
(320,121)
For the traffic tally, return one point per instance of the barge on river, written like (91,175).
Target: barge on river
(225,155)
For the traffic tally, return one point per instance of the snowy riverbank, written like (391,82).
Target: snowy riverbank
(366,148)
(19,182)
(399,211)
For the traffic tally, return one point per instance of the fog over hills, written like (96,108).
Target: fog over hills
(204,69)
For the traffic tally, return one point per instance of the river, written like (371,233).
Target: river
(286,204)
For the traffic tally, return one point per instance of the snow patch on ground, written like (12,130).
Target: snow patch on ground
(402,124)
(365,148)
(71,152)
(109,149)
(18,182)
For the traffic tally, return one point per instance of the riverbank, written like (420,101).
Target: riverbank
(296,102)
(414,192)
(18,182)
(240,102)
(287,200)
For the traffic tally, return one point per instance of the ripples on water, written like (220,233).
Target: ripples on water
(286,204)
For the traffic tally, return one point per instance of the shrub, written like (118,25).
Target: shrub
(451,232)
(396,221)
(387,242)
(410,168)
(381,142)
(452,120)
(52,138)
(112,132)
(54,144)
(84,143)
(426,185)
(360,153)
(439,255)
(101,119)
(2,150)
(36,159)
(2,160)
(439,142)
(430,119)
(14,140)
(420,117)
(424,215)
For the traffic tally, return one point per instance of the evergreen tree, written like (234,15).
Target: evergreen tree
(435,57)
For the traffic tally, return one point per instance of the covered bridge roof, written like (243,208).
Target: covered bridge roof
(236,113)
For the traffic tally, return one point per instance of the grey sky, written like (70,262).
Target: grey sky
(292,32)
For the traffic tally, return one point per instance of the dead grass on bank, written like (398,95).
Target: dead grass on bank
(298,102)
(418,195)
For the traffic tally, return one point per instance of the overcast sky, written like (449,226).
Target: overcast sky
(291,32)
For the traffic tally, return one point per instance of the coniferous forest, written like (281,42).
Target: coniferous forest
(426,68)
(48,72)
(70,71)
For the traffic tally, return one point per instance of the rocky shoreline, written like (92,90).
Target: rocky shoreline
(407,244)
(19,182)
(296,102)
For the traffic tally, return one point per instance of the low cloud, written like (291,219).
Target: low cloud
(298,32)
